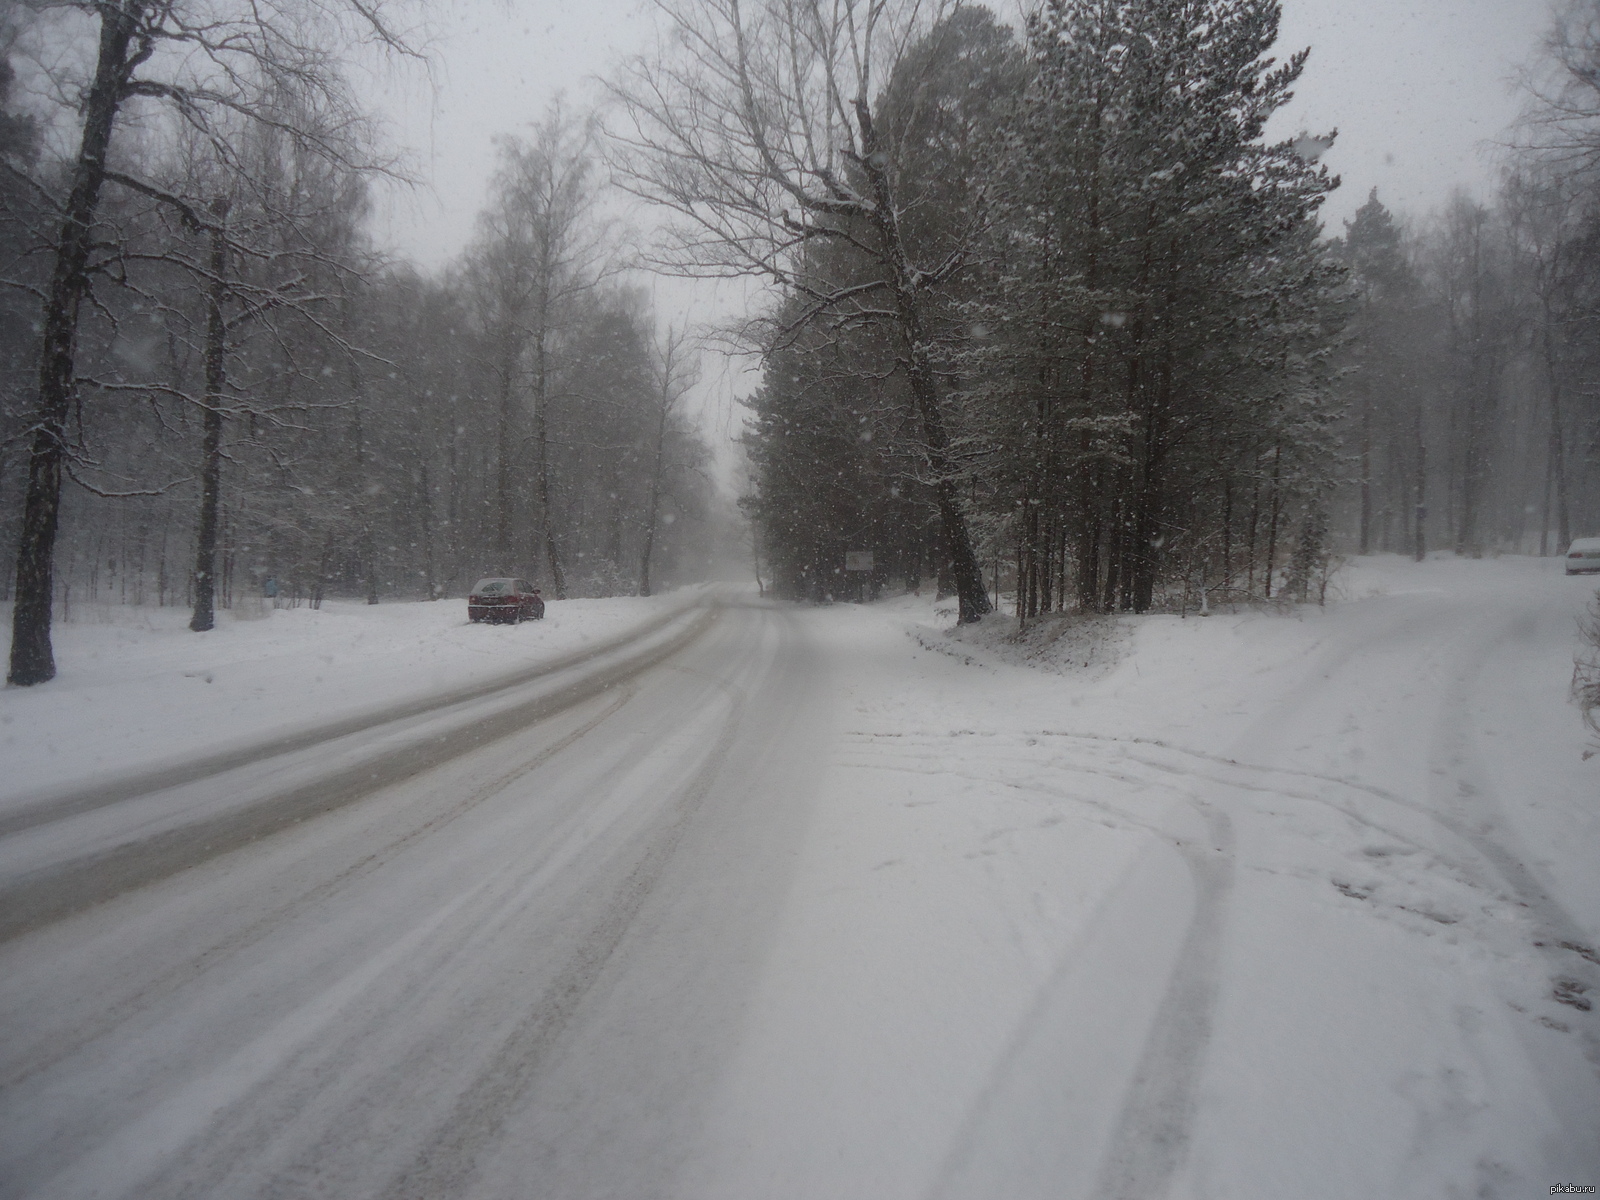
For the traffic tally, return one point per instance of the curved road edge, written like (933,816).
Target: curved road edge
(33,899)
(55,804)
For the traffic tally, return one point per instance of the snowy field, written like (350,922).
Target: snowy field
(1249,905)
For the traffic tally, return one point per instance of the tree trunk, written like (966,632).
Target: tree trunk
(1366,471)
(1047,570)
(369,560)
(1090,536)
(502,485)
(1227,532)
(966,570)
(1148,501)
(455,494)
(655,492)
(1111,582)
(944,583)
(1480,409)
(1467,532)
(32,658)
(541,436)
(1142,581)
(216,367)
(1061,569)
(430,573)
(1274,512)
(1020,604)
(1421,494)
(1556,465)
(1252,526)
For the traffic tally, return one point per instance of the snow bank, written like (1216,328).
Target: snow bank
(136,688)
(1060,643)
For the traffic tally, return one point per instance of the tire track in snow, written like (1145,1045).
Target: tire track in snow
(1155,1125)
(223,1130)
(1033,1131)
(1506,868)
(1151,1139)
(1481,820)
(1469,810)
(56,805)
(214,956)
(1152,1135)
(33,899)
(452,1158)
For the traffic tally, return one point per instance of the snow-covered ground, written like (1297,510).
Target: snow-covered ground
(136,689)
(1241,906)
(841,903)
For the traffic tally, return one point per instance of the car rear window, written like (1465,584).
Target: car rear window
(492,587)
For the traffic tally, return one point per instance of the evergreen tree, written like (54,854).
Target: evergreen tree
(1387,360)
(1160,297)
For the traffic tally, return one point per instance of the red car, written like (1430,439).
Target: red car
(504,600)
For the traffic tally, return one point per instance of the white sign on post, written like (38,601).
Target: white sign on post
(858,560)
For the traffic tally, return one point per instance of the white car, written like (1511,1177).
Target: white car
(1583,556)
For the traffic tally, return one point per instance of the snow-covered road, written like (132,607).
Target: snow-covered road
(827,904)
(515,960)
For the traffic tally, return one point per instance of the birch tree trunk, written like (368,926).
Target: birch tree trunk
(32,657)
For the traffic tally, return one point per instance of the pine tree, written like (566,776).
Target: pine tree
(1149,305)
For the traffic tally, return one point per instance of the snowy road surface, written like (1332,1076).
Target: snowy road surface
(827,904)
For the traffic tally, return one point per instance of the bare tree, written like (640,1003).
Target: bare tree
(1544,211)
(541,247)
(277,264)
(201,63)
(1562,117)
(757,126)
(675,372)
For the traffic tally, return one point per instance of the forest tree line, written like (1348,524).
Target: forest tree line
(214,385)
(1057,317)
(1053,315)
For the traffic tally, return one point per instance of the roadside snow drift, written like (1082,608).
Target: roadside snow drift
(135,688)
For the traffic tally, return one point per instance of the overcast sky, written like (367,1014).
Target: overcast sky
(1418,89)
